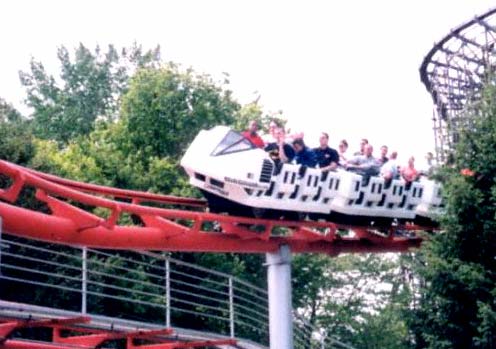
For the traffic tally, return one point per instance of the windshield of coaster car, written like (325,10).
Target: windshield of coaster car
(233,142)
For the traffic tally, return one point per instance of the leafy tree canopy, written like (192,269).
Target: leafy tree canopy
(89,88)
(8,113)
(165,108)
(16,139)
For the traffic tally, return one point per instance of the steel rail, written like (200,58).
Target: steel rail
(260,298)
(34,259)
(112,276)
(137,196)
(199,279)
(39,283)
(40,272)
(253,307)
(199,287)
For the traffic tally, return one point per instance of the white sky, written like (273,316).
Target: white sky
(347,67)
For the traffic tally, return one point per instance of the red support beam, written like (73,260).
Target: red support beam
(185,345)
(89,341)
(94,338)
(8,327)
(25,344)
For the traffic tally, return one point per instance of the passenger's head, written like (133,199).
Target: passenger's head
(429,157)
(324,139)
(273,125)
(253,126)
(363,143)
(411,161)
(298,145)
(343,146)
(394,155)
(279,133)
(368,150)
(384,150)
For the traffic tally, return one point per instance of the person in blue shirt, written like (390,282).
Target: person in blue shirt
(303,155)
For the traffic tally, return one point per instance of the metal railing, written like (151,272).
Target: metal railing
(141,286)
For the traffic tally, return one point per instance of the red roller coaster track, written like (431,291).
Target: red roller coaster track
(184,229)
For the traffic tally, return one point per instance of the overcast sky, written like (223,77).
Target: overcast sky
(346,67)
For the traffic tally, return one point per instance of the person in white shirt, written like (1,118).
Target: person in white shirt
(390,170)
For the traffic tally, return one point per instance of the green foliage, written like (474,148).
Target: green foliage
(16,140)
(310,280)
(8,113)
(254,111)
(386,329)
(355,298)
(457,300)
(486,337)
(165,108)
(120,154)
(97,159)
(123,278)
(248,112)
(89,88)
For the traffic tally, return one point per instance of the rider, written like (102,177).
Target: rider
(252,135)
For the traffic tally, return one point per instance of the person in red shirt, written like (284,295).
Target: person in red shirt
(409,173)
(252,135)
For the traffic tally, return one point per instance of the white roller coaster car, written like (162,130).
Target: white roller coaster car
(238,178)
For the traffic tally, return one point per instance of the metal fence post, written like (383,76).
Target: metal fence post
(84,280)
(231,307)
(167,293)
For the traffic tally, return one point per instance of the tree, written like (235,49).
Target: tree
(162,113)
(89,88)
(99,159)
(165,108)
(457,306)
(16,139)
